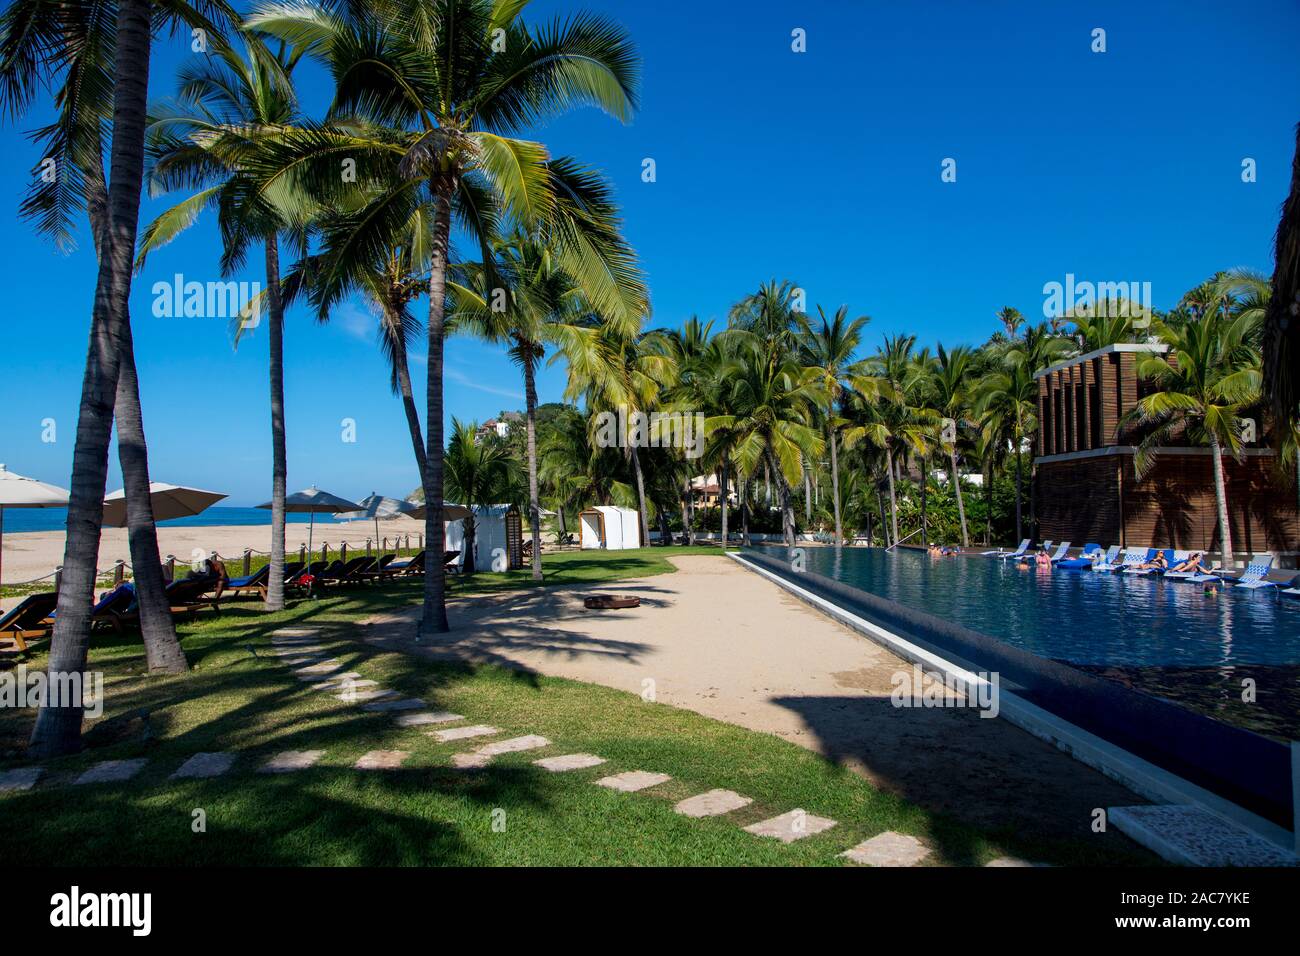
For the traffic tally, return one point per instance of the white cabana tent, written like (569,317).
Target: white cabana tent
(610,528)
(497,528)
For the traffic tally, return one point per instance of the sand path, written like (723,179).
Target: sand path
(719,640)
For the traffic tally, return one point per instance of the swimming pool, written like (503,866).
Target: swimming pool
(1079,617)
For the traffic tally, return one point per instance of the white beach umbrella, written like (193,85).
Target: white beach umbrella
(169,501)
(313,501)
(19,492)
(378,506)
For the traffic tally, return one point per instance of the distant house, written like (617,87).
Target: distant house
(500,426)
(1087,489)
(706,491)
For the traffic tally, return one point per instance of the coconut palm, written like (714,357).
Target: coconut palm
(1006,403)
(430,95)
(829,348)
(1214,375)
(952,398)
(226,105)
(35,52)
(1011,320)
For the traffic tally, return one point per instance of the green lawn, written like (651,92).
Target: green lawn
(239,698)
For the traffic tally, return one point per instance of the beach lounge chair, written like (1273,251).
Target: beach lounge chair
(354,569)
(1134,558)
(113,605)
(411,566)
(255,582)
(376,571)
(1010,555)
(1168,554)
(1084,561)
(1107,563)
(1253,577)
(334,572)
(186,596)
(29,619)
(1060,552)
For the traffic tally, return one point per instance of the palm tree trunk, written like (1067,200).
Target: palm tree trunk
(745,540)
(1221,502)
(1019,494)
(893,498)
(434,618)
(58,728)
(640,496)
(835,489)
(686,518)
(279,452)
(787,506)
(467,565)
(534,504)
(925,521)
(162,651)
(961,505)
(722,488)
(807,497)
(402,367)
(988,505)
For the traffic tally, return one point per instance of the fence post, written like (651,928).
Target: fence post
(169,568)
(118,571)
(248,560)
(58,578)
(368,546)
(325,551)
(343,551)
(302,553)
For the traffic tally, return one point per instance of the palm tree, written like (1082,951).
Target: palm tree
(895,423)
(542,305)
(225,106)
(830,348)
(1214,375)
(952,399)
(1007,404)
(419,131)
(1011,320)
(479,473)
(1282,325)
(35,52)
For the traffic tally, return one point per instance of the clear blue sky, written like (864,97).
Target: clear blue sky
(823,167)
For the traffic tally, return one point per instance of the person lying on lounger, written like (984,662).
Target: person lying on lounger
(1193,565)
(1157,563)
(213,571)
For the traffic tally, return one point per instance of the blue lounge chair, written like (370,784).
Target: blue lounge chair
(1011,555)
(1061,549)
(1253,577)
(1132,558)
(1083,561)
(1107,563)
(1181,557)
(1151,556)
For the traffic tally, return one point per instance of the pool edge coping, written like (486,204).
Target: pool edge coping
(1141,776)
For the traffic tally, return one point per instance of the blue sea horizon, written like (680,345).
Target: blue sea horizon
(18,520)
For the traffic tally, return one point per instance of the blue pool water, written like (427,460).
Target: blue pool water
(1079,617)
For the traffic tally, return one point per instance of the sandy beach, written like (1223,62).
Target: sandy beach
(719,640)
(32,554)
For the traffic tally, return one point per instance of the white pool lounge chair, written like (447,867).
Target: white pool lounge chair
(1061,549)
(1007,555)
(1253,577)
(1107,563)
(1132,558)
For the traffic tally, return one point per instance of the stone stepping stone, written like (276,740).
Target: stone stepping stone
(297,650)
(633,780)
(112,771)
(382,760)
(354,696)
(296,662)
(713,803)
(1009,861)
(24,778)
(324,680)
(325,667)
(470,761)
(289,632)
(409,703)
(569,762)
(791,826)
(461,733)
(513,745)
(427,717)
(888,849)
(288,761)
(205,765)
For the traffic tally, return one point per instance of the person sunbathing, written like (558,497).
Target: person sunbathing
(1193,565)
(1157,563)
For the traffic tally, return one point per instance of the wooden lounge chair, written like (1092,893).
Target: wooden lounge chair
(376,572)
(255,583)
(342,572)
(29,619)
(412,566)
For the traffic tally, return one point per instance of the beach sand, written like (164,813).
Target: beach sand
(31,554)
(721,641)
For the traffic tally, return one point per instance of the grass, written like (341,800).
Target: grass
(238,697)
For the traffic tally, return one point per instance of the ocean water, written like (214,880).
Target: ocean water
(56,519)
(1079,617)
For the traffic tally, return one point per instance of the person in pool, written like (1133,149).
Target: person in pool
(1043,559)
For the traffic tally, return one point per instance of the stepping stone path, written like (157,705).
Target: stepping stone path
(888,849)
(24,778)
(325,668)
(791,826)
(462,733)
(513,745)
(569,762)
(633,780)
(470,761)
(354,696)
(327,681)
(205,765)
(1009,861)
(289,760)
(294,650)
(382,760)
(711,804)
(410,703)
(112,771)
(428,717)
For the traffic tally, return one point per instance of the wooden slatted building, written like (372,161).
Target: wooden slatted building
(1086,487)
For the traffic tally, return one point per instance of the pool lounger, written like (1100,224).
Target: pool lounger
(1253,577)
(1169,562)
(1083,561)
(1061,549)
(1107,563)
(1132,558)
(1007,555)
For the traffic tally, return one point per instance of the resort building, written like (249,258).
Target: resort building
(1086,487)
